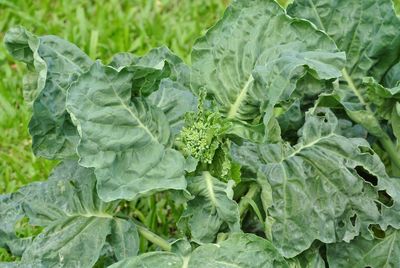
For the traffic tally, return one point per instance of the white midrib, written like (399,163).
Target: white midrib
(141,125)
(186,262)
(91,215)
(240,98)
(210,188)
(307,146)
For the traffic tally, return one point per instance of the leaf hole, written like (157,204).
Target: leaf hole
(368,177)
(341,224)
(353,220)
(385,198)
(24,229)
(377,231)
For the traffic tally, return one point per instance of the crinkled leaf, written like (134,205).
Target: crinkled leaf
(239,250)
(360,253)
(310,258)
(211,207)
(386,103)
(317,192)
(390,202)
(123,137)
(23,46)
(383,99)
(174,100)
(367,30)
(56,64)
(77,223)
(369,34)
(248,66)
(151,68)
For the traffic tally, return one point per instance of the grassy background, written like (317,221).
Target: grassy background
(101,28)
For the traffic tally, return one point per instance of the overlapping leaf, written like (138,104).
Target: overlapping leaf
(151,68)
(317,192)
(122,137)
(55,64)
(174,100)
(211,207)
(368,31)
(248,66)
(360,253)
(386,102)
(77,223)
(239,250)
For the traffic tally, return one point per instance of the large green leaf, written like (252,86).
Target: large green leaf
(77,223)
(317,189)
(123,137)
(211,207)
(239,250)
(247,65)
(361,253)
(55,64)
(367,30)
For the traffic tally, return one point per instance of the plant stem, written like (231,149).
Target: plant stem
(390,149)
(353,87)
(384,139)
(244,203)
(153,238)
(149,235)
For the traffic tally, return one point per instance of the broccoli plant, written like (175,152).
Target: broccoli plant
(277,147)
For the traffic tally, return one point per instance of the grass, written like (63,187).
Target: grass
(101,28)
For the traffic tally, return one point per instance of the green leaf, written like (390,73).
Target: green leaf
(370,37)
(239,250)
(389,202)
(23,46)
(369,32)
(211,206)
(310,258)
(151,68)
(396,6)
(284,3)
(55,64)
(381,98)
(320,187)
(175,101)
(392,77)
(360,253)
(124,239)
(123,137)
(77,223)
(248,66)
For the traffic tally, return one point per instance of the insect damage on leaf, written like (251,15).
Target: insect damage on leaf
(286,126)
